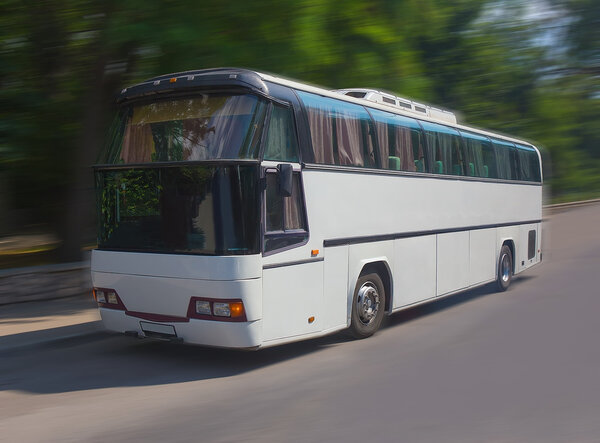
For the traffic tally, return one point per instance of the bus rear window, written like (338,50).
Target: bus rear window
(203,127)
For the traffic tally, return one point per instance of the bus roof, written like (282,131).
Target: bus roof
(257,81)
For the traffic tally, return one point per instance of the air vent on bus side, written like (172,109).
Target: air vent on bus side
(385,98)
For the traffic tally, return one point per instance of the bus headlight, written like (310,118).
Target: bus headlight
(100,297)
(112,298)
(108,298)
(231,309)
(203,307)
(216,309)
(222,309)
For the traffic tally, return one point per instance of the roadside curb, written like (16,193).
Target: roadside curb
(37,283)
(33,339)
(568,205)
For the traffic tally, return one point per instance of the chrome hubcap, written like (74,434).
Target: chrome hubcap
(367,303)
(505,266)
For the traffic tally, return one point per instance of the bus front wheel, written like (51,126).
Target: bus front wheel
(368,306)
(505,268)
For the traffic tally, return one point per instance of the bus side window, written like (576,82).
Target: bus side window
(490,168)
(353,141)
(506,154)
(459,163)
(340,132)
(418,150)
(285,220)
(529,165)
(400,144)
(434,153)
(535,166)
(514,163)
(445,149)
(480,156)
(281,143)
(474,155)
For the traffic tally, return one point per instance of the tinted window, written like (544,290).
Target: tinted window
(281,143)
(203,127)
(444,146)
(507,159)
(293,208)
(529,164)
(480,157)
(199,209)
(274,204)
(400,142)
(340,132)
(285,218)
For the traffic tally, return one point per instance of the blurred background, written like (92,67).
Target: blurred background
(530,69)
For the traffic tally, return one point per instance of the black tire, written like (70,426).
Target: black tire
(368,306)
(505,268)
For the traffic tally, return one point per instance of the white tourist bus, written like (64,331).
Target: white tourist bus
(243,210)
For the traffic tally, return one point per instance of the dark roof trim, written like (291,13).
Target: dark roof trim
(189,80)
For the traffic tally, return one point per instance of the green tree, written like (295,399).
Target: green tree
(61,63)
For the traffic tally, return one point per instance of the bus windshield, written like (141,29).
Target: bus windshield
(203,127)
(208,210)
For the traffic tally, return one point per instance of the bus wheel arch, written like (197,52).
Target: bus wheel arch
(506,265)
(382,269)
(370,299)
(511,245)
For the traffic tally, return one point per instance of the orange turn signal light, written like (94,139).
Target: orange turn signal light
(173,80)
(236,309)
(314,252)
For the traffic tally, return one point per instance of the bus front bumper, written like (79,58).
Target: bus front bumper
(242,335)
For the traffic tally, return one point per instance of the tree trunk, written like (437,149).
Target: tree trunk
(79,218)
(6,209)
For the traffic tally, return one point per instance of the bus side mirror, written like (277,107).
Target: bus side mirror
(285,179)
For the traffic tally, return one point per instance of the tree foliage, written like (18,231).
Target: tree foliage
(503,64)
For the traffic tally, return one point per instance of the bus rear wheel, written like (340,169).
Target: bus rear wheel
(505,268)
(368,306)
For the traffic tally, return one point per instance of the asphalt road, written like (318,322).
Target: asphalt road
(520,366)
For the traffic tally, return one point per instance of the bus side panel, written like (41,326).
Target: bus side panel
(291,295)
(414,270)
(452,262)
(348,205)
(524,261)
(335,287)
(482,256)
